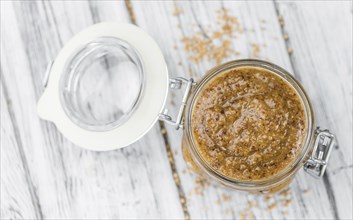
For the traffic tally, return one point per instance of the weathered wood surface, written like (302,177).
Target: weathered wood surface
(59,180)
(45,176)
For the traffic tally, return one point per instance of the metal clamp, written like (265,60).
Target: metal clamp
(176,83)
(324,143)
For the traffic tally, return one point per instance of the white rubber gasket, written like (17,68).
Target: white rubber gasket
(151,102)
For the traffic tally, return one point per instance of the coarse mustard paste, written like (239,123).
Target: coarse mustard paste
(248,123)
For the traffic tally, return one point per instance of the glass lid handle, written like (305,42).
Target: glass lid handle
(176,83)
(324,143)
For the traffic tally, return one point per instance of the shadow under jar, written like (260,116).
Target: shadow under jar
(250,126)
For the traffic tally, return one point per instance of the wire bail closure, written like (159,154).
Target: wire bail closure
(176,83)
(324,143)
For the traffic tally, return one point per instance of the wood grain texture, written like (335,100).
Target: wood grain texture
(66,181)
(261,21)
(322,61)
(195,17)
(43,175)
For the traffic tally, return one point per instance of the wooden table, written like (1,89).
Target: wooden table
(43,175)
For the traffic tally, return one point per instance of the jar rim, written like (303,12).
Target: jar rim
(289,169)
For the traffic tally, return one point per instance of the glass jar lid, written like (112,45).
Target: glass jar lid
(101,84)
(107,86)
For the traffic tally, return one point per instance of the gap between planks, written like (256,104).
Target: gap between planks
(286,39)
(164,133)
(31,188)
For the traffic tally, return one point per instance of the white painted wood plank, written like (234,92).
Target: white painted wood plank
(261,21)
(322,57)
(19,204)
(136,182)
(70,182)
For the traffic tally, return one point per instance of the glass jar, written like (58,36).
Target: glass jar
(313,155)
(109,84)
